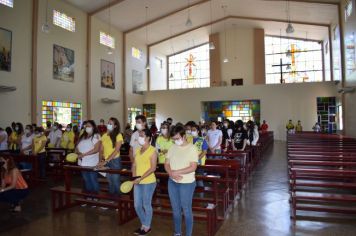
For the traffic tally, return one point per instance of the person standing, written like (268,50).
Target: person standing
(102,127)
(239,137)
(15,137)
(214,138)
(67,139)
(181,163)
(55,136)
(39,149)
(299,127)
(290,127)
(110,154)
(264,126)
(141,123)
(163,143)
(143,167)
(3,139)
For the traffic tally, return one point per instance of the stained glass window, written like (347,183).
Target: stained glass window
(190,69)
(61,112)
(107,40)
(64,21)
(149,110)
(132,113)
(9,3)
(304,58)
(348,10)
(136,53)
(244,110)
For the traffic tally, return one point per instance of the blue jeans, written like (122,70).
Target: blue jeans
(90,181)
(114,179)
(13,196)
(181,196)
(143,202)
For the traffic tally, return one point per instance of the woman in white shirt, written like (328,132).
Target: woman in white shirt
(3,139)
(26,140)
(88,155)
(214,139)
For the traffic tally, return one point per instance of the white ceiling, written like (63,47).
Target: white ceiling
(129,14)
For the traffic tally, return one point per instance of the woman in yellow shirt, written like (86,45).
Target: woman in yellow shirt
(15,137)
(38,149)
(181,163)
(67,140)
(110,154)
(144,166)
(163,143)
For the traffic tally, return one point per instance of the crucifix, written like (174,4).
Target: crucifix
(281,68)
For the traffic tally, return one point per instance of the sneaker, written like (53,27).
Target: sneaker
(83,205)
(104,208)
(143,232)
(95,200)
(137,232)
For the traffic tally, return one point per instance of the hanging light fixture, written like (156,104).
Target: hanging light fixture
(45,26)
(148,62)
(171,76)
(109,49)
(211,44)
(290,28)
(225,60)
(189,22)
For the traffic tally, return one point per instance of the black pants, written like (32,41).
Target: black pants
(13,196)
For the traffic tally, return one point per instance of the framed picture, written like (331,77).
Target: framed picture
(63,63)
(137,82)
(5,49)
(107,74)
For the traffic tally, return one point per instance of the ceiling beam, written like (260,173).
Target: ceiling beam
(165,16)
(306,1)
(111,4)
(236,17)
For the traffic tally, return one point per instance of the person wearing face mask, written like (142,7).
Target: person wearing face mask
(181,163)
(141,123)
(239,136)
(67,140)
(3,140)
(225,136)
(13,187)
(27,140)
(88,155)
(110,154)
(252,133)
(55,136)
(102,127)
(15,138)
(214,138)
(163,143)
(144,166)
(188,131)
(38,149)
(169,121)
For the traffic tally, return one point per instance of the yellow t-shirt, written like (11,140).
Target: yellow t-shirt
(38,141)
(107,145)
(12,140)
(67,140)
(163,143)
(299,128)
(189,138)
(143,163)
(180,157)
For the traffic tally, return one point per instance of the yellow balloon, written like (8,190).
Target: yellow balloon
(126,187)
(72,157)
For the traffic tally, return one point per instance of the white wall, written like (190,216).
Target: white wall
(326,51)
(98,109)
(135,100)
(16,106)
(279,103)
(47,87)
(158,74)
(240,52)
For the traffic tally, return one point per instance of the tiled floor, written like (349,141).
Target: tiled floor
(262,211)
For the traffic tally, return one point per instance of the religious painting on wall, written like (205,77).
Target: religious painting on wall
(5,49)
(350,53)
(107,74)
(137,82)
(63,63)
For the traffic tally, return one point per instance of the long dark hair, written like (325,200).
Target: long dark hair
(10,166)
(20,129)
(113,134)
(85,135)
(250,129)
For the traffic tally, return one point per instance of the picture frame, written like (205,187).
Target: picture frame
(107,74)
(5,49)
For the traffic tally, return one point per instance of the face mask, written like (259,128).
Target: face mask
(225,125)
(179,142)
(141,141)
(89,130)
(188,132)
(55,127)
(164,131)
(68,129)
(17,128)
(194,133)
(38,134)
(109,127)
(27,131)
(139,126)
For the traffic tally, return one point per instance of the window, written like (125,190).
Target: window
(107,40)
(9,3)
(61,112)
(62,20)
(149,111)
(301,60)
(348,10)
(244,110)
(136,53)
(190,69)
